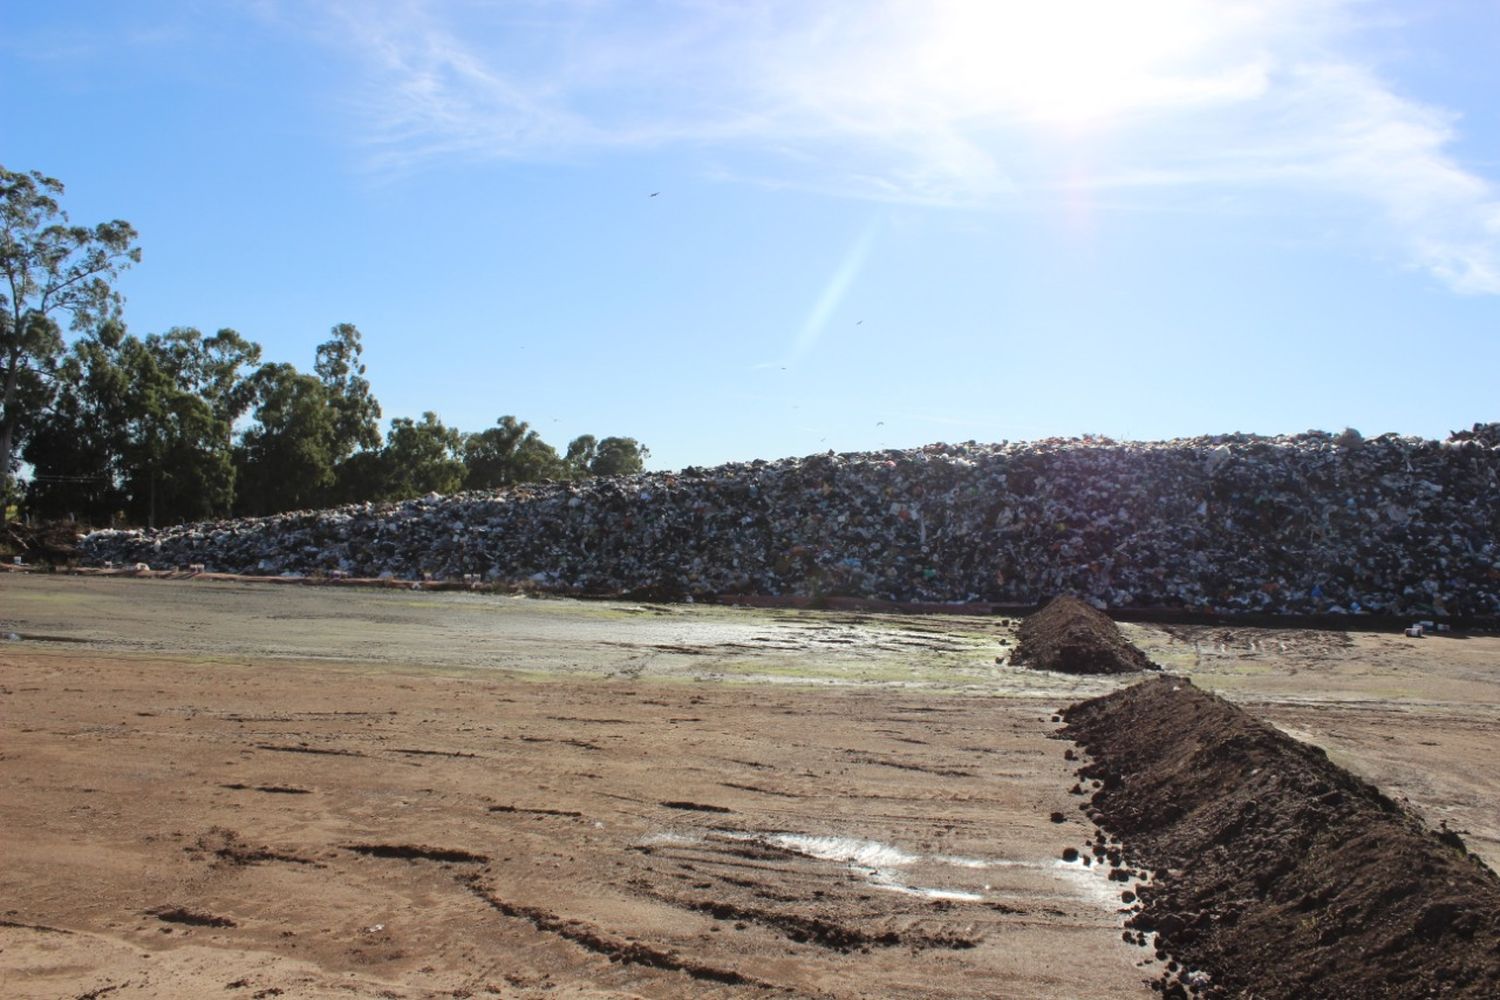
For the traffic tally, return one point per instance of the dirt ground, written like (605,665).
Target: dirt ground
(255,791)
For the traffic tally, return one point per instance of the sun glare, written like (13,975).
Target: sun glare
(1072,63)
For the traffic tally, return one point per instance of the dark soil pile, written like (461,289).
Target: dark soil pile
(1071,637)
(49,542)
(1277,873)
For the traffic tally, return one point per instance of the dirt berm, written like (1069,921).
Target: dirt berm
(1277,873)
(1071,637)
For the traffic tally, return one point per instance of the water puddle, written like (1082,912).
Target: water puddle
(879,880)
(1093,882)
(874,861)
(958,862)
(670,838)
(888,867)
(35,637)
(858,853)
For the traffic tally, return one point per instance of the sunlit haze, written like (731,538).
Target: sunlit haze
(754,230)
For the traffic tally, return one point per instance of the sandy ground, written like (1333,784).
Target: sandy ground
(254,791)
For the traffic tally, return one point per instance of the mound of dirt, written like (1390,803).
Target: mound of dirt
(49,542)
(1277,873)
(1072,637)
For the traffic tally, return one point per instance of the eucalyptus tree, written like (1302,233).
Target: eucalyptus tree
(77,445)
(619,456)
(285,459)
(508,453)
(220,369)
(537,461)
(422,457)
(141,427)
(178,464)
(356,413)
(580,455)
(48,268)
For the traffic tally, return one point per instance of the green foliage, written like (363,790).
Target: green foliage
(506,454)
(285,460)
(178,464)
(77,449)
(581,453)
(146,428)
(361,477)
(422,458)
(151,428)
(511,453)
(140,427)
(47,266)
(619,456)
(614,456)
(356,414)
(217,368)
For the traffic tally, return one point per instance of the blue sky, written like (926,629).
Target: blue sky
(877,223)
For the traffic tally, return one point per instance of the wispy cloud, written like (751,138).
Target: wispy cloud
(953,102)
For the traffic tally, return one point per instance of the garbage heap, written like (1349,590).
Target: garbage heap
(1312,523)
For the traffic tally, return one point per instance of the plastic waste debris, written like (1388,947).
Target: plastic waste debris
(1230,523)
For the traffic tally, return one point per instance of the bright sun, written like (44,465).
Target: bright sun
(1073,63)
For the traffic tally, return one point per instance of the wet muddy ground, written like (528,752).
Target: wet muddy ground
(228,789)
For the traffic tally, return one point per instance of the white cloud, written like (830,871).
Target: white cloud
(1390,151)
(960,102)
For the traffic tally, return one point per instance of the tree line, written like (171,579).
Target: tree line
(180,426)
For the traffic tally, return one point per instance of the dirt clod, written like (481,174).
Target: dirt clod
(417,852)
(179,915)
(696,807)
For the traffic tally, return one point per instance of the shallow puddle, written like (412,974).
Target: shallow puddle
(1093,882)
(880,880)
(670,838)
(859,853)
(876,862)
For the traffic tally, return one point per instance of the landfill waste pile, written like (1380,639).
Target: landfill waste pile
(1071,637)
(1268,870)
(1312,523)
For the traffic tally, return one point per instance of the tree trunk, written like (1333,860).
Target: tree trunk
(5,442)
(8,419)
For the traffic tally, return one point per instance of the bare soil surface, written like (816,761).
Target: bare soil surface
(223,789)
(1276,873)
